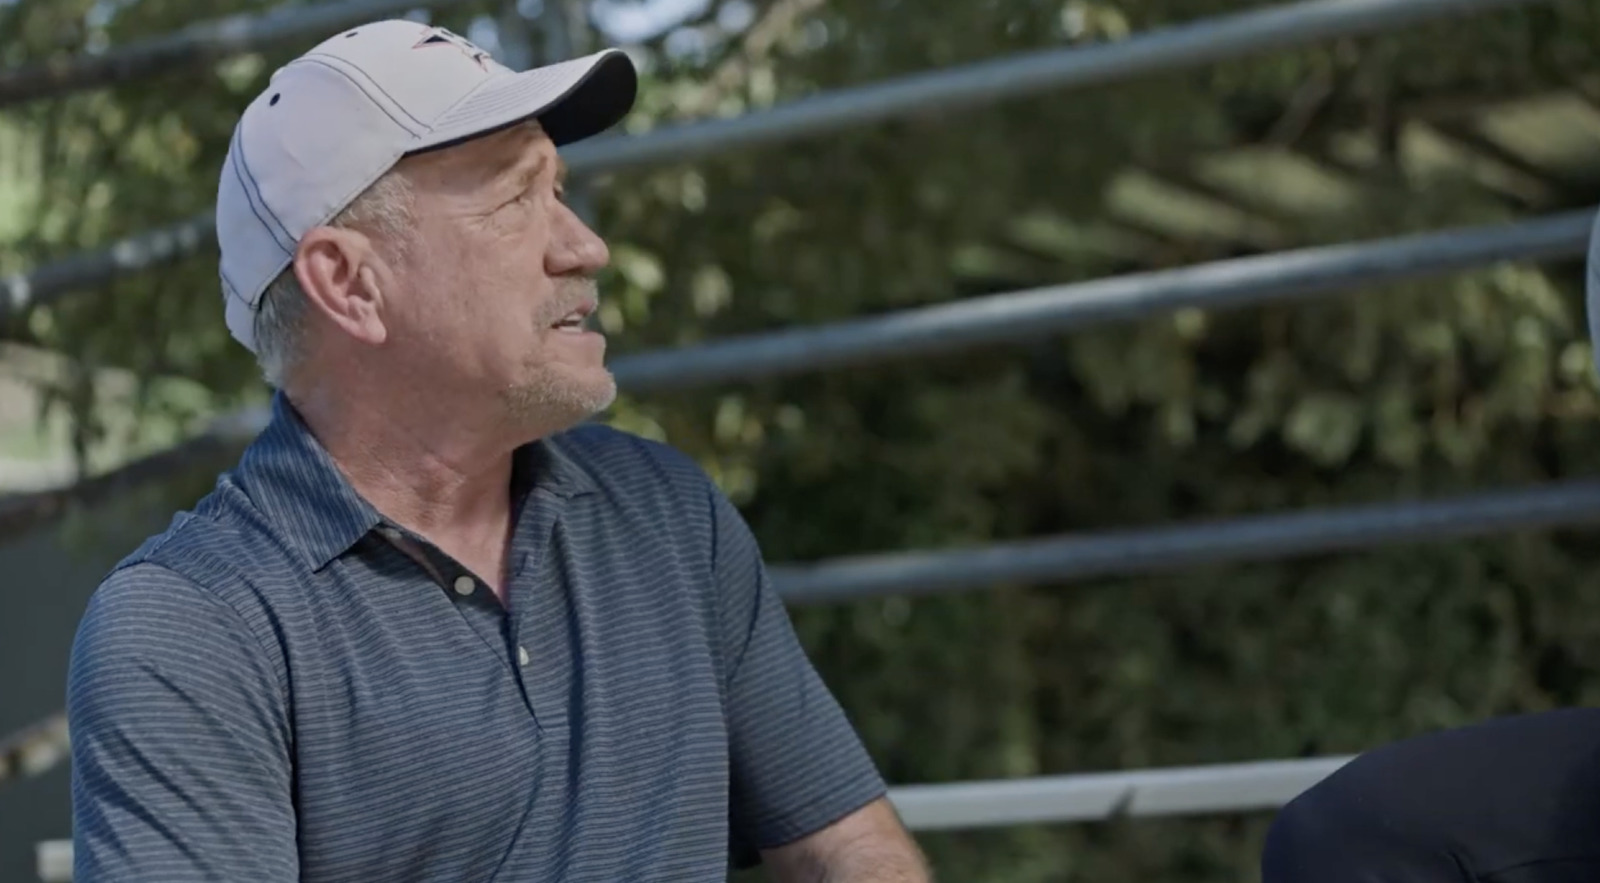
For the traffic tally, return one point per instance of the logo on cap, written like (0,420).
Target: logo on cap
(445,37)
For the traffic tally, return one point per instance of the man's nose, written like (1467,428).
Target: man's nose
(575,248)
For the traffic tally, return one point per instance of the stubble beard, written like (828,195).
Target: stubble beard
(556,397)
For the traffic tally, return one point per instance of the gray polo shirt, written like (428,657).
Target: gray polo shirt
(273,690)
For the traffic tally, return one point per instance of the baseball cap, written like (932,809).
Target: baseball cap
(334,120)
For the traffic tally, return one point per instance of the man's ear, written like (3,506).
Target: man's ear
(339,271)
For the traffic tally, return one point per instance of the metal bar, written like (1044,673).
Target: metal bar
(1273,537)
(946,327)
(211,450)
(195,44)
(1210,40)
(53,281)
(1121,553)
(1085,797)
(1166,49)
(1098,797)
(1044,311)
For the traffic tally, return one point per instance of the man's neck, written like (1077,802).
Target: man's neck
(445,479)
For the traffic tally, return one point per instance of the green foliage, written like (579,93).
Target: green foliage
(1427,387)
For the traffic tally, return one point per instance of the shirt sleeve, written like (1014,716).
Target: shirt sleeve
(797,764)
(180,740)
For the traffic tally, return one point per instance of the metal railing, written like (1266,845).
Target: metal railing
(1040,312)
(955,89)
(1256,538)
(1099,555)
(196,44)
(1100,797)
(1082,797)
(948,327)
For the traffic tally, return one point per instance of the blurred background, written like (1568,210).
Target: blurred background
(1392,387)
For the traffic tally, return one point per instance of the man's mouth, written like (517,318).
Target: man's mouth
(574,321)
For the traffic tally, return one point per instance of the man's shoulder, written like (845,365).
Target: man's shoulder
(211,548)
(178,619)
(156,599)
(215,570)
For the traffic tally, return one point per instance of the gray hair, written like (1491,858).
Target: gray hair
(280,323)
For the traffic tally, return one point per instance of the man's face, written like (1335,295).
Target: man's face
(496,286)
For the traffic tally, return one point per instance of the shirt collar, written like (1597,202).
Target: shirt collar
(548,464)
(293,480)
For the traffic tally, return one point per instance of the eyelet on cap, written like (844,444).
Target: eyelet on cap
(274,100)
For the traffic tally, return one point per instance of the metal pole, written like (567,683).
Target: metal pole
(1064,558)
(1100,797)
(1202,42)
(1012,316)
(1044,311)
(948,327)
(1210,40)
(1070,557)
(1084,797)
(1274,537)
(55,280)
(195,44)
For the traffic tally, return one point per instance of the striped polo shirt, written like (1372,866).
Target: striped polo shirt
(275,690)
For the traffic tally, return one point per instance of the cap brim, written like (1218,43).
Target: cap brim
(572,100)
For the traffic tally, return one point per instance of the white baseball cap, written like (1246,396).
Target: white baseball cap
(333,121)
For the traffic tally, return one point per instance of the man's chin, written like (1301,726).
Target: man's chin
(555,403)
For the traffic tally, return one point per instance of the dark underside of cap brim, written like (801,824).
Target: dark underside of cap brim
(595,103)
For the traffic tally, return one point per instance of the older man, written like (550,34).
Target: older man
(427,630)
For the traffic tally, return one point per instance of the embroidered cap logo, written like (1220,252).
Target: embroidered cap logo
(445,37)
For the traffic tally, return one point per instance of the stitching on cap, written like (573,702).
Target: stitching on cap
(241,167)
(254,300)
(503,101)
(445,114)
(336,68)
(232,290)
(229,289)
(238,174)
(350,196)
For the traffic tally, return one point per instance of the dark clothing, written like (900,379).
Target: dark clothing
(272,690)
(1514,800)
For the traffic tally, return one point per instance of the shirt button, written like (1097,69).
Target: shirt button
(465,585)
(522,656)
(390,534)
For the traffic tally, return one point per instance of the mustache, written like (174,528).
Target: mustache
(572,293)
